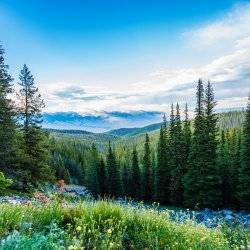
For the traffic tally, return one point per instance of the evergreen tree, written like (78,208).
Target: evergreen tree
(244,171)
(114,179)
(187,134)
(178,158)
(147,164)
(211,191)
(102,178)
(163,170)
(231,165)
(92,174)
(7,119)
(172,124)
(126,179)
(223,164)
(35,140)
(202,177)
(135,176)
(195,161)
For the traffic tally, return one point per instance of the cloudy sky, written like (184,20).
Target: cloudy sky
(92,56)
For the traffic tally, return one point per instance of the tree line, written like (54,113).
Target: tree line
(194,165)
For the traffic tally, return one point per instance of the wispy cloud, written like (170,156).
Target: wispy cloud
(228,29)
(228,40)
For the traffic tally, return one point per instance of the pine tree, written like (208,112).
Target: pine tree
(231,164)
(125,180)
(210,188)
(224,170)
(102,178)
(195,161)
(187,134)
(35,140)
(92,175)
(114,178)
(177,162)
(244,171)
(7,119)
(147,164)
(202,177)
(135,176)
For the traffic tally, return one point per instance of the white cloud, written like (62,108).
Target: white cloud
(232,65)
(227,29)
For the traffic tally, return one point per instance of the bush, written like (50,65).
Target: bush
(4,182)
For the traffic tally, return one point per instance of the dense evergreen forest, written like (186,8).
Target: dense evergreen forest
(204,162)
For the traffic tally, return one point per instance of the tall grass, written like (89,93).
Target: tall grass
(103,225)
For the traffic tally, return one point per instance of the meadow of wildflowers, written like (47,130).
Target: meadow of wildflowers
(107,225)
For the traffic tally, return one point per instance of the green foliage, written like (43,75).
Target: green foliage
(91,171)
(135,183)
(102,178)
(33,164)
(148,177)
(4,182)
(107,225)
(163,171)
(114,174)
(244,171)
(7,120)
(177,158)
(202,177)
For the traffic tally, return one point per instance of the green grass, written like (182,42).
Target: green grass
(104,225)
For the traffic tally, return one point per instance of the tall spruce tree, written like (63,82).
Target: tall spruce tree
(114,178)
(178,158)
(126,179)
(195,161)
(187,135)
(230,160)
(102,178)
(224,169)
(211,188)
(202,177)
(147,164)
(244,171)
(34,139)
(163,171)
(7,119)
(135,176)
(92,171)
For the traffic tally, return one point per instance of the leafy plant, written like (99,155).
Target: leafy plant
(4,182)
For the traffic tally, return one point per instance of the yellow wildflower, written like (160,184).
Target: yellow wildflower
(79,228)
(109,231)
(72,247)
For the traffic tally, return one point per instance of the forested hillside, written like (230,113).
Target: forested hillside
(129,159)
(127,137)
(197,163)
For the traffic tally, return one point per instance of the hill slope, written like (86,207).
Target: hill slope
(134,131)
(131,136)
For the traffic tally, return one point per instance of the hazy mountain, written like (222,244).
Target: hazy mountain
(136,136)
(101,122)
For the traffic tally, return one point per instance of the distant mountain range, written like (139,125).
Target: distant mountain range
(227,120)
(135,136)
(101,122)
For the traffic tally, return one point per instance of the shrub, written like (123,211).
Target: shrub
(4,182)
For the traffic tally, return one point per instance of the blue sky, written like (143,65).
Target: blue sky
(90,56)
